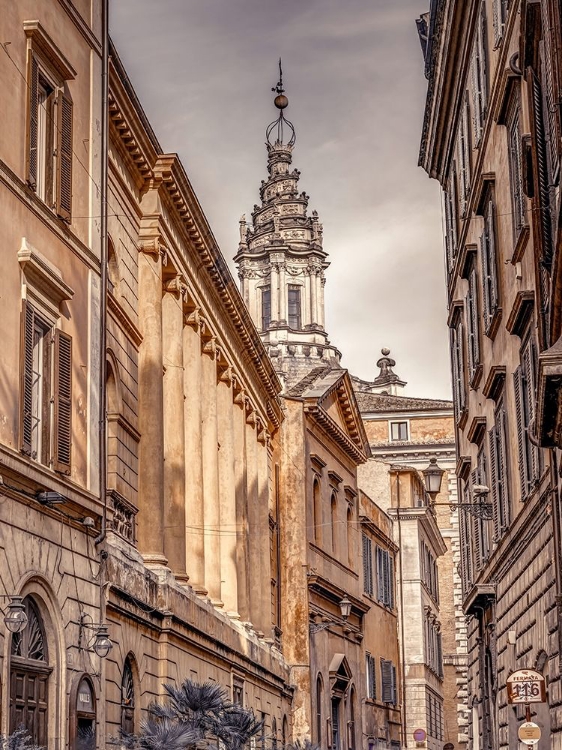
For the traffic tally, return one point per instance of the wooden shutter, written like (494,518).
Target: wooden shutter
(386,681)
(63,402)
(32,120)
(494,480)
(485,260)
(492,261)
(26,363)
(64,156)
(390,581)
(476,526)
(394,685)
(502,461)
(521,436)
(498,13)
(530,377)
(380,575)
(367,566)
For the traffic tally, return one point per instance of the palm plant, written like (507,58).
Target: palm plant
(195,715)
(20,739)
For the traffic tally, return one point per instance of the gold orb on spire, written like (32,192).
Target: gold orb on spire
(281,101)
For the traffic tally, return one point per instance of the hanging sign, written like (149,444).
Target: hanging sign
(529,733)
(526,686)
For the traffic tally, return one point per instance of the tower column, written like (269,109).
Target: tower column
(174,434)
(322,305)
(195,550)
(151,450)
(282,293)
(307,303)
(313,297)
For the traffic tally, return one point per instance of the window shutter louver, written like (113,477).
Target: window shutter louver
(380,576)
(552,108)
(484,257)
(501,426)
(390,582)
(494,477)
(472,322)
(367,566)
(498,19)
(455,366)
(520,431)
(26,419)
(386,680)
(529,363)
(476,528)
(462,381)
(32,120)
(63,402)
(64,156)
(492,263)
(542,168)
(475,96)
(394,686)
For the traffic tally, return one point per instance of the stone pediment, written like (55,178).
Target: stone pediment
(329,399)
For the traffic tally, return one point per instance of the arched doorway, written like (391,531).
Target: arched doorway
(29,677)
(83,715)
(128,698)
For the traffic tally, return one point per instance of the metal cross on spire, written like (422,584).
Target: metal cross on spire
(279,124)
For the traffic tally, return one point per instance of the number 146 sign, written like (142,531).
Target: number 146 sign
(526,686)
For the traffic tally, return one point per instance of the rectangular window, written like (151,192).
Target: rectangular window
(367,565)
(525,387)
(472,324)
(388,682)
(479,76)
(499,480)
(465,542)
(518,203)
(294,307)
(398,431)
(46,388)
(265,307)
(464,156)
(49,138)
(458,365)
(480,533)
(385,577)
(488,256)
(499,12)
(451,221)
(370,672)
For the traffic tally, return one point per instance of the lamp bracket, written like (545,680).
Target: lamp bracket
(481,510)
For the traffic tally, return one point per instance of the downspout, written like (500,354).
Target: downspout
(402,636)
(103,276)
(556,526)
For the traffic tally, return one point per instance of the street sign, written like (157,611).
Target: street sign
(526,686)
(529,733)
(420,735)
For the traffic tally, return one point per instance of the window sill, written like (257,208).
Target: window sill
(520,243)
(476,377)
(494,325)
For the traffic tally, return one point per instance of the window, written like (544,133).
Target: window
(458,364)
(429,575)
(490,294)
(434,715)
(515,166)
(334,519)
(45,351)
(319,701)
(385,577)
(29,678)
(367,566)
(127,698)
(317,501)
(498,438)
(451,221)
(433,643)
(472,324)
(350,555)
(398,431)
(465,542)
(480,533)
(294,307)
(525,386)
(49,137)
(336,723)
(265,307)
(499,11)
(479,76)
(370,672)
(388,682)
(464,156)
(83,717)
(238,691)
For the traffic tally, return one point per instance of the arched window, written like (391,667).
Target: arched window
(128,698)
(83,715)
(351,725)
(317,511)
(29,677)
(274,734)
(319,700)
(285,732)
(350,537)
(334,515)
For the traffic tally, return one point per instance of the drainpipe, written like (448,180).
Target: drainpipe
(103,276)
(402,636)
(556,521)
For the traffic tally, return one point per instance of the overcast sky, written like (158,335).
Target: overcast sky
(353,73)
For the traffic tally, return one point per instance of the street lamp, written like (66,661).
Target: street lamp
(433,476)
(100,642)
(15,617)
(345,609)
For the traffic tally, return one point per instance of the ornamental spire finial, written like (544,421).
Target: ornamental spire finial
(277,126)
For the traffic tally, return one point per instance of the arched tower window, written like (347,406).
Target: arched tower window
(334,518)
(319,700)
(128,698)
(317,511)
(29,677)
(112,268)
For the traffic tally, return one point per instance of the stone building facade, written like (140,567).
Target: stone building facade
(491,136)
(404,435)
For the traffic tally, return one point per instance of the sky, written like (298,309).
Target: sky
(353,73)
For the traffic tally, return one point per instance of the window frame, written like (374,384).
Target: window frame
(399,423)
(265,307)
(294,320)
